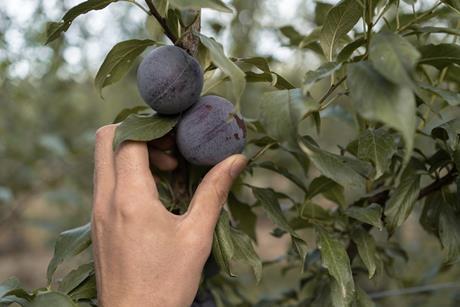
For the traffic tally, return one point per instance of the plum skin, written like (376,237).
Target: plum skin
(169,80)
(210,131)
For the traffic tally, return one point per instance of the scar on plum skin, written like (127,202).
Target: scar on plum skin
(236,136)
(240,124)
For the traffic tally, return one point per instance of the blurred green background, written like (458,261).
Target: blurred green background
(49,112)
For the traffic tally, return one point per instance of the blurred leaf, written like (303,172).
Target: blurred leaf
(329,188)
(371,215)
(377,99)
(52,298)
(335,259)
(377,146)
(441,55)
(430,30)
(401,202)
(76,277)
(222,245)
(276,80)
(321,10)
(453,4)
(312,211)
(118,61)
(86,290)
(282,171)
(429,219)
(162,6)
(452,98)
(339,21)
(346,171)
(70,243)
(367,250)
(243,214)
(313,76)
(143,128)
(362,299)
(56,28)
(280,113)
(292,34)
(201,4)
(244,253)
(219,58)
(123,114)
(348,50)
(393,57)
(449,232)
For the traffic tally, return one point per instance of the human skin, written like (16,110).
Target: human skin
(144,255)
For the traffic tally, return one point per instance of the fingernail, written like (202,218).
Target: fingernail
(238,166)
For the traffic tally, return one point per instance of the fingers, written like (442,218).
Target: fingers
(162,160)
(132,170)
(212,193)
(104,172)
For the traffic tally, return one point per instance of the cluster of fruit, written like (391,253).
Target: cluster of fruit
(170,81)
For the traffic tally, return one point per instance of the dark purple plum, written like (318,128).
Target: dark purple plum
(169,80)
(210,131)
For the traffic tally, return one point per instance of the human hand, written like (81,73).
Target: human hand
(144,255)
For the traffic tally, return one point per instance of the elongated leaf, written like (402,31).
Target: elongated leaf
(452,98)
(222,245)
(118,61)
(371,215)
(393,57)
(329,188)
(367,250)
(52,298)
(123,114)
(441,55)
(348,172)
(339,21)
(449,232)
(377,146)
(335,259)
(245,253)
(282,171)
(76,277)
(313,76)
(430,30)
(70,243)
(348,50)
(86,290)
(280,113)
(143,128)
(378,99)
(429,219)
(56,28)
(217,5)
(243,215)
(219,59)
(362,299)
(401,202)
(291,33)
(314,212)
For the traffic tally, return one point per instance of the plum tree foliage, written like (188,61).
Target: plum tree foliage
(392,73)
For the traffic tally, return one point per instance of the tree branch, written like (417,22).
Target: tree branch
(161,20)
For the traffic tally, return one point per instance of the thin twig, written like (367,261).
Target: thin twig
(161,20)
(410,23)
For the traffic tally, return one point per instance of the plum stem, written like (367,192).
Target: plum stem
(161,20)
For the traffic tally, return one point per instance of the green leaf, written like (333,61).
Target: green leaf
(329,188)
(453,4)
(143,128)
(348,50)
(243,214)
(346,171)
(378,99)
(217,5)
(291,33)
(118,61)
(393,57)
(452,98)
(367,250)
(401,202)
(86,290)
(314,212)
(282,171)
(313,76)
(76,277)
(377,146)
(429,219)
(371,215)
(430,30)
(335,259)
(339,21)
(244,252)
(123,114)
(56,28)
(8,285)
(162,6)
(280,113)
(362,299)
(52,298)
(449,232)
(441,55)
(275,79)
(229,68)
(70,243)
(222,245)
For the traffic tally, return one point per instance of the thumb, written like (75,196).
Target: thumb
(211,194)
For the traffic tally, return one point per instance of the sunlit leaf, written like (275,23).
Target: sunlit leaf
(217,5)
